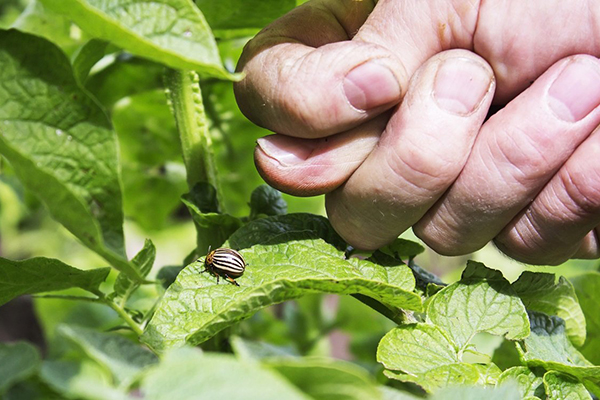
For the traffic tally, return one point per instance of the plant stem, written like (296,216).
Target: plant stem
(121,312)
(185,98)
(396,316)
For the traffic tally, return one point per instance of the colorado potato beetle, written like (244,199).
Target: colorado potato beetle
(225,263)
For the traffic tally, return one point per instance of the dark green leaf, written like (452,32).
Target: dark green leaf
(86,57)
(168,274)
(125,77)
(204,197)
(18,361)
(123,358)
(212,229)
(239,14)
(540,292)
(403,249)
(37,275)
(280,229)
(173,32)
(60,144)
(188,374)
(268,201)
(587,287)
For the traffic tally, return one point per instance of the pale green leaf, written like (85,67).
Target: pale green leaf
(480,302)
(528,382)
(449,375)
(540,292)
(41,21)
(549,347)
(80,380)
(18,361)
(195,307)
(143,260)
(123,358)
(173,32)
(36,275)
(416,349)
(60,144)
(390,393)
(563,387)
(403,249)
(251,350)
(506,392)
(326,379)
(587,287)
(488,374)
(187,374)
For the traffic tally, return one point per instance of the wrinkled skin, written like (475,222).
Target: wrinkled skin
(383,108)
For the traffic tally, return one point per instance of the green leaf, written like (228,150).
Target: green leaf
(40,21)
(389,393)
(268,201)
(123,358)
(540,292)
(40,274)
(86,57)
(506,392)
(212,229)
(143,260)
(506,355)
(18,361)
(256,351)
(548,347)
(403,249)
(125,77)
(480,302)
(528,382)
(283,228)
(80,380)
(425,355)
(188,374)
(173,32)
(326,379)
(448,375)
(563,387)
(587,287)
(195,307)
(239,14)
(60,144)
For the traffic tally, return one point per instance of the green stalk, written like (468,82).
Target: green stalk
(185,98)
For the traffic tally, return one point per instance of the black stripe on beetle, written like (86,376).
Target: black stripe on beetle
(225,263)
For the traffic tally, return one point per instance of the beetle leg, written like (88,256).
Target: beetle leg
(230,279)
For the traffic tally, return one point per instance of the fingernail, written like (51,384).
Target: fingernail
(371,85)
(576,91)
(285,150)
(460,85)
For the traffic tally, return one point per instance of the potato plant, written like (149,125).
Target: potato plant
(120,114)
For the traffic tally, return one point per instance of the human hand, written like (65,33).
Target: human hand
(529,177)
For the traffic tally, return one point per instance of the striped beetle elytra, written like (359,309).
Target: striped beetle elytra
(225,263)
